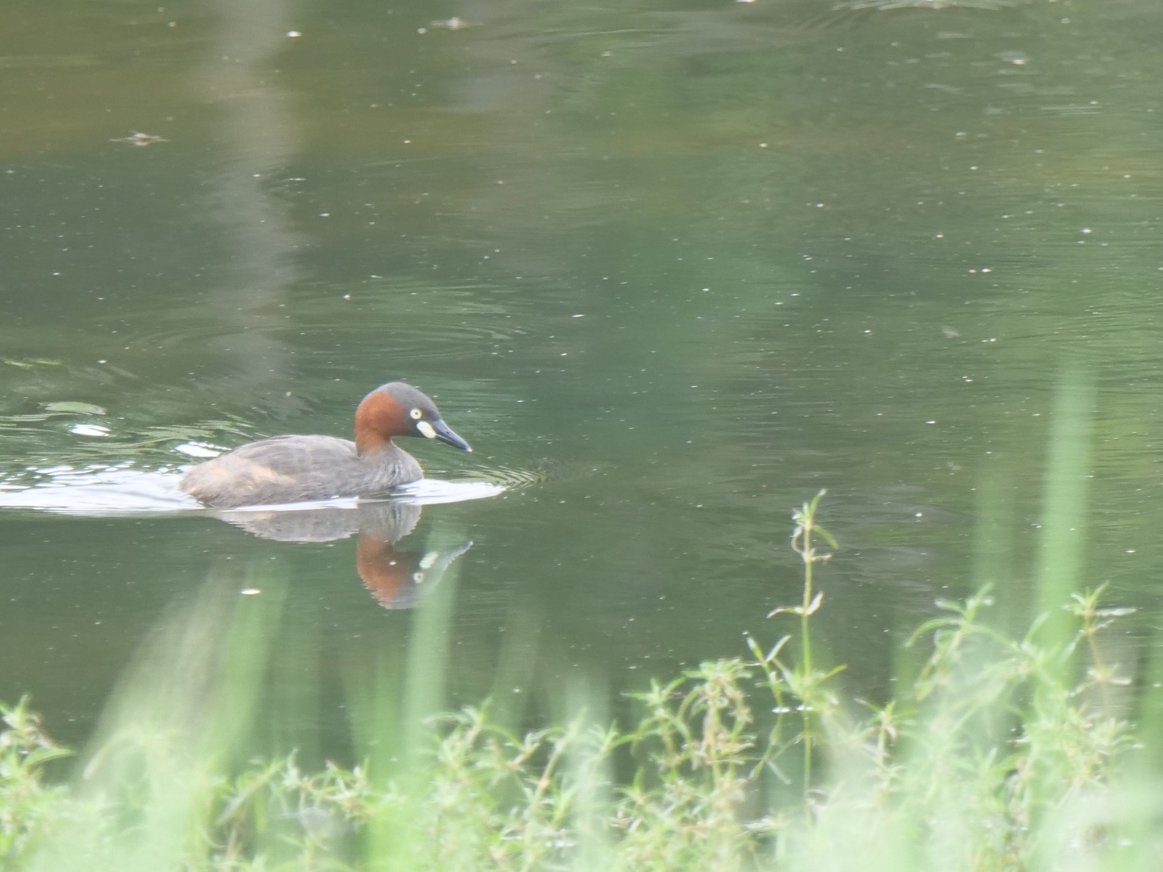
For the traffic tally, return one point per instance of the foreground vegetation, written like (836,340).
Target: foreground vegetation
(995,753)
(994,757)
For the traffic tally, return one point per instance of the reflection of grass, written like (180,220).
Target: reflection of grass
(998,753)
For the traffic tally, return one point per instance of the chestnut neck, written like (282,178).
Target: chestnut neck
(379,418)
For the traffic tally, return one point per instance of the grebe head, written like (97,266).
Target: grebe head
(397,409)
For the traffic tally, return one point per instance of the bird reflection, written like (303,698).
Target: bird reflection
(398,579)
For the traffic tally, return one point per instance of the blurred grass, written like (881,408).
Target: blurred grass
(1006,746)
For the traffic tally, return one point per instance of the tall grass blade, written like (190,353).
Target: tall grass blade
(1061,554)
(393,843)
(180,716)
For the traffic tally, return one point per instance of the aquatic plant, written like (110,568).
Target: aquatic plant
(25,800)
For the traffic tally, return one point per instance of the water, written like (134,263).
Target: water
(670,268)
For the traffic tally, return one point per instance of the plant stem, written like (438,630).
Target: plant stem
(806,639)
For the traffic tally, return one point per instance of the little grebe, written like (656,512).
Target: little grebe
(291,469)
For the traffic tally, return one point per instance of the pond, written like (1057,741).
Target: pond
(670,267)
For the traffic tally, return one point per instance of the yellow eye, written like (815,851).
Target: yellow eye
(416,414)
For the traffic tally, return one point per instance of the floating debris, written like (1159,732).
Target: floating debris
(89,430)
(141,139)
(71,408)
(32,362)
(454,23)
(886,5)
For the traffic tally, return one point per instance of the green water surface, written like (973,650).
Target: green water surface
(671,267)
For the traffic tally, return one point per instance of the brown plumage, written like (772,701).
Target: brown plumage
(290,469)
